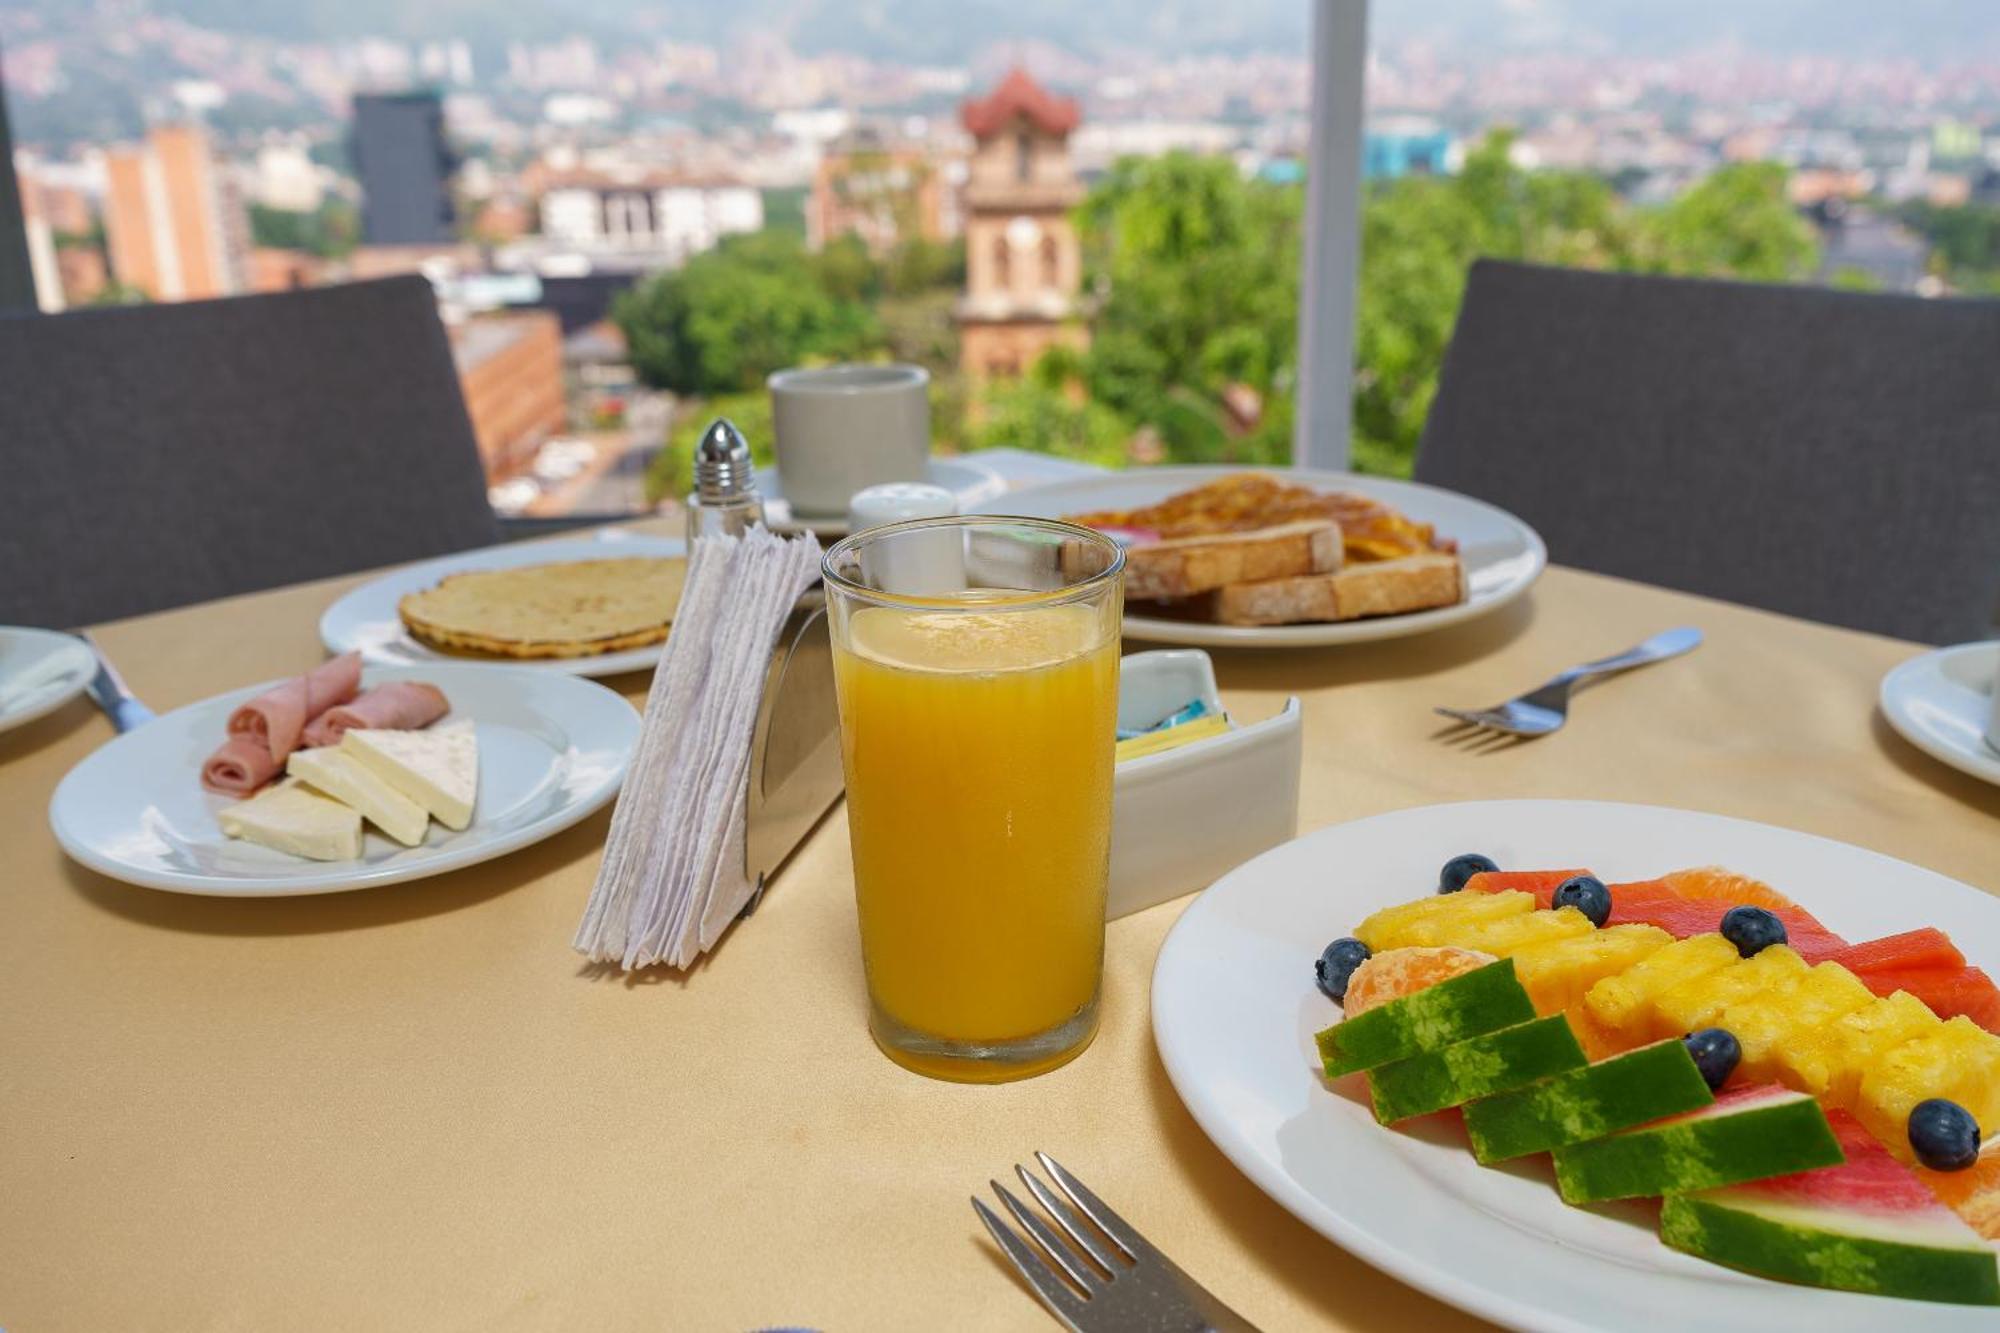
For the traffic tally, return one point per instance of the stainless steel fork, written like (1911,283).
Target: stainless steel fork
(1108,1278)
(1545,708)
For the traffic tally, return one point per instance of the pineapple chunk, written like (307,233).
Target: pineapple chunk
(1830,1063)
(1557,973)
(1694,1004)
(1623,1005)
(1959,1061)
(1512,934)
(1790,1012)
(1438,919)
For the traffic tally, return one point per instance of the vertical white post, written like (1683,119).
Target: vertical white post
(1333,235)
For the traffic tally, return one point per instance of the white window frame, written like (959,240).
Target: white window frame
(1328,288)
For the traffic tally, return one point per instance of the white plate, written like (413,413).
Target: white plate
(972,483)
(1503,556)
(1235,1009)
(366,617)
(552,749)
(1941,703)
(40,671)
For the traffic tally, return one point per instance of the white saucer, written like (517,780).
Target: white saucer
(1941,703)
(970,482)
(40,671)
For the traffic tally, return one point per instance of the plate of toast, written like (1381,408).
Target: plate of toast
(1222,556)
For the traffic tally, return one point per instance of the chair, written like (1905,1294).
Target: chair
(1826,454)
(160,455)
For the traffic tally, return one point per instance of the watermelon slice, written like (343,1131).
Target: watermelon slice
(1542,883)
(1948,991)
(1653,904)
(1913,950)
(1746,1134)
(1469,1005)
(1454,1075)
(1866,1225)
(1585,1104)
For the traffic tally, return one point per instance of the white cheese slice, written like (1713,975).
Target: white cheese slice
(293,818)
(437,768)
(340,777)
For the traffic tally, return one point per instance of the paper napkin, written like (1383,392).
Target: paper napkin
(673,877)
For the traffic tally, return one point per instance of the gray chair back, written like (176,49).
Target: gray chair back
(160,455)
(1826,454)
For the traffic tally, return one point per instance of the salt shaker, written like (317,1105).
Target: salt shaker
(923,564)
(724,502)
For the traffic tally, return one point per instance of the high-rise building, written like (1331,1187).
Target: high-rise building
(1023,266)
(405,166)
(176,228)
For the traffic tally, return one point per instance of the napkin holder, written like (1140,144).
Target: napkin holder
(795,772)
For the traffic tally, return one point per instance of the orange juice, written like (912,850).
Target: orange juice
(978,747)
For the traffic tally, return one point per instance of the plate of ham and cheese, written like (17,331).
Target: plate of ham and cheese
(346,777)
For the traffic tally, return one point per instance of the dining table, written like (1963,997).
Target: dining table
(415,1107)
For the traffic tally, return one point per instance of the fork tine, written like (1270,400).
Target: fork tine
(1059,1254)
(1063,1303)
(1469,718)
(1094,1208)
(1075,1227)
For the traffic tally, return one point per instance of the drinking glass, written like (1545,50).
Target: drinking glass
(976,660)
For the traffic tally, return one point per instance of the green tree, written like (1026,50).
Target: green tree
(1737,223)
(330,231)
(729,317)
(1198,272)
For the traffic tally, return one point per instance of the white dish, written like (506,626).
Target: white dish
(552,750)
(1941,703)
(971,483)
(1235,1009)
(1503,556)
(366,619)
(40,671)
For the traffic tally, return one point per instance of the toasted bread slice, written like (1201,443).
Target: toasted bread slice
(1379,588)
(1187,565)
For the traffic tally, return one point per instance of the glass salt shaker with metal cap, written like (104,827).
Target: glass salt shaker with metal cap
(724,502)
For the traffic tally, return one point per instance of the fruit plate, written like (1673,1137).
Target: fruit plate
(1235,1010)
(1503,556)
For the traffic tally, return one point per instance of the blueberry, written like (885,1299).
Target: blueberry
(1462,868)
(1337,964)
(1752,930)
(1587,894)
(1944,1135)
(1715,1052)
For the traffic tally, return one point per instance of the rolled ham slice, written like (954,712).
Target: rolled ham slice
(402,705)
(240,767)
(278,717)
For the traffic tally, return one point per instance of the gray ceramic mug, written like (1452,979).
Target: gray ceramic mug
(842,428)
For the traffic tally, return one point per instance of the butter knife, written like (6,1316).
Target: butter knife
(108,689)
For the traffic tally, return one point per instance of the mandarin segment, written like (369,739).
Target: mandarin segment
(1394,973)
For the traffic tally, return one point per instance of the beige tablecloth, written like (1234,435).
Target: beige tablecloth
(412,1108)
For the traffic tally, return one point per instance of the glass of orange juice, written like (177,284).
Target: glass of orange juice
(977,666)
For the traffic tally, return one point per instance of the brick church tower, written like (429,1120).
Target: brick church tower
(1022,264)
